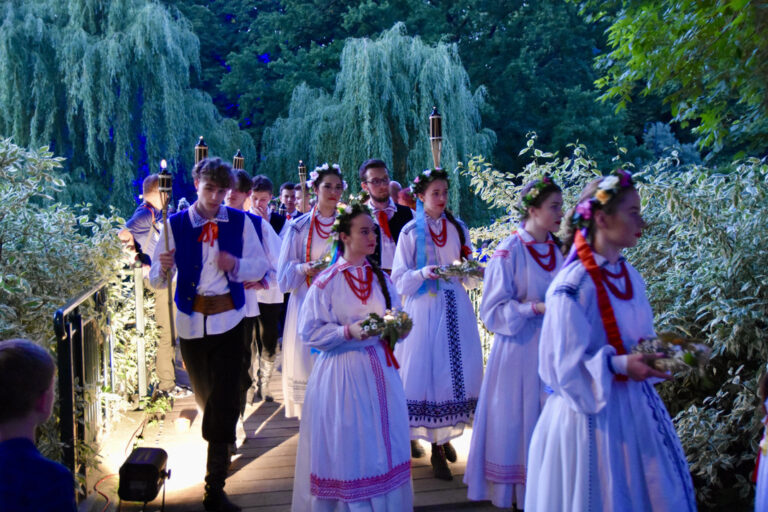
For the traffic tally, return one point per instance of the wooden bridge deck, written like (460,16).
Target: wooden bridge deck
(261,475)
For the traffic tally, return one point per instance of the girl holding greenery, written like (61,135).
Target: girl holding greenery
(604,440)
(512,395)
(353,443)
(441,359)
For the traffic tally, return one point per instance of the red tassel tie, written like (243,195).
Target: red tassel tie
(391,360)
(210,233)
(384,223)
(603,301)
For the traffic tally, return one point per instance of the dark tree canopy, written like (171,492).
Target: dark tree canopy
(707,59)
(380,106)
(107,85)
(535,59)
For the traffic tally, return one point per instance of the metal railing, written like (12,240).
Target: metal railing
(85,354)
(84,358)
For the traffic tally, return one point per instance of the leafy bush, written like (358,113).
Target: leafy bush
(704,256)
(51,252)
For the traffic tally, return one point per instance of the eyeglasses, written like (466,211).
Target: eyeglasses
(378,181)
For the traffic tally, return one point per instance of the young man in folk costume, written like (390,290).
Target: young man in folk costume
(141,234)
(267,292)
(256,369)
(389,216)
(219,250)
(288,199)
(261,199)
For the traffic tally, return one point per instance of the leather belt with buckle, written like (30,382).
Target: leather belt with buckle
(213,304)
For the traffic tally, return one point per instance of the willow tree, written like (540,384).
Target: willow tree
(107,85)
(383,96)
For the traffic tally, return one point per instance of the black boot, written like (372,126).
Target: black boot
(215,499)
(450,452)
(417,451)
(439,465)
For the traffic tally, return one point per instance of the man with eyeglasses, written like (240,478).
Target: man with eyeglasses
(388,215)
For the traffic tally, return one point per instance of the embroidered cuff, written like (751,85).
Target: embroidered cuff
(618,364)
(347,333)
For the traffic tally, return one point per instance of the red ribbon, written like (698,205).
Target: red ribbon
(587,258)
(210,233)
(390,354)
(465,252)
(384,223)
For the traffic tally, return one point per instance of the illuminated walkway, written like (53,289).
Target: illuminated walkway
(261,475)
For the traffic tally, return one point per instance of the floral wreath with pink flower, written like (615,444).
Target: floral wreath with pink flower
(530,197)
(322,170)
(422,181)
(607,189)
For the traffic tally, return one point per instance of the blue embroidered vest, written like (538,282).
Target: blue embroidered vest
(189,256)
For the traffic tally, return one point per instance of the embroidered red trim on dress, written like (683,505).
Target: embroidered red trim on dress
(361,488)
(628,292)
(503,474)
(607,315)
(500,253)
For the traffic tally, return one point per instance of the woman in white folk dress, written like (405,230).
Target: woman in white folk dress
(511,398)
(441,360)
(307,242)
(604,440)
(353,452)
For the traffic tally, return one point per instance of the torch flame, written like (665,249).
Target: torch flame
(163,164)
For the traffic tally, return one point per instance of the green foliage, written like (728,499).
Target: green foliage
(50,253)
(705,264)
(384,94)
(500,190)
(107,84)
(703,256)
(709,60)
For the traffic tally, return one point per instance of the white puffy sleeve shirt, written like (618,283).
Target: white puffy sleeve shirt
(251,267)
(574,349)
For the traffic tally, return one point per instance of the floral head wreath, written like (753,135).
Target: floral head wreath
(530,197)
(607,189)
(422,181)
(315,175)
(344,212)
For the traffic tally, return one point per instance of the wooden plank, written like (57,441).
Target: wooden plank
(262,471)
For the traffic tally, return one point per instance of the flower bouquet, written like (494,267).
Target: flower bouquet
(321,263)
(680,355)
(391,327)
(460,269)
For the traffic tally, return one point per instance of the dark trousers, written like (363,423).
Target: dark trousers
(268,330)
(213,363)
(246,378)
